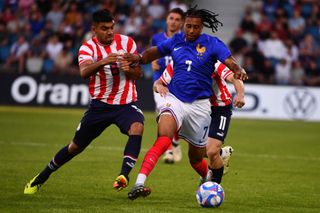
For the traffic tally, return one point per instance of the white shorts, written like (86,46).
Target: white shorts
(193,119)
(158,100)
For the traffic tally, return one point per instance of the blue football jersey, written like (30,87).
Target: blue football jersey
(193,64)
(164,61)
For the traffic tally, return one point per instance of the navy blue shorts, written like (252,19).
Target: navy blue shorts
(220,120)
(101,115)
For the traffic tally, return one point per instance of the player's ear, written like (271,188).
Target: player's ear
(94,27)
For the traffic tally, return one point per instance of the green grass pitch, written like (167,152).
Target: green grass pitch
(275,167)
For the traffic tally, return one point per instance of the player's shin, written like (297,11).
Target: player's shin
(130,154)
(201,168)
(152,156)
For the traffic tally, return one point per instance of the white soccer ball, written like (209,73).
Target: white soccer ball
(210,195)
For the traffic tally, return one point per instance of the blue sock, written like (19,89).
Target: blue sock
(130,154)
(59,159)
(217,174)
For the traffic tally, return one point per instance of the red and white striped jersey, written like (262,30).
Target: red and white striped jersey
(221,95)
(109,84)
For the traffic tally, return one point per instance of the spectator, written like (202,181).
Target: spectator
(18,53)
(296,25)
(268,73)
(273,48)
(71,14)
(282,71)
(308,50)
(37,21)
(297,74)
(156,10)
(36,55)
(312,77)
(63,62)
(247,24)
(25,6)
(55,16)
(53,47)
(178,4)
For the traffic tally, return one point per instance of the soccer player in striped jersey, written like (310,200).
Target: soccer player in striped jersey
(113,94)
(174,23)
(221,111)
(187,107)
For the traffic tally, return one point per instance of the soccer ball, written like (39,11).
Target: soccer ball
(210,195)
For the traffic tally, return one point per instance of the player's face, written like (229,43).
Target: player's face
(104,32)
(174,22)
(192,28)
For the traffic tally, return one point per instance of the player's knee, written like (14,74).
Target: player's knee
(74,148)
(213,153)
(136,129)
(213,148)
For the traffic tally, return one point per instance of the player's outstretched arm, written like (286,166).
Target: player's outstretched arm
(146,57)
(239,72)
(238,85)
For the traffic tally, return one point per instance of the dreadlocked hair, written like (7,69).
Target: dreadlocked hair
(208,17)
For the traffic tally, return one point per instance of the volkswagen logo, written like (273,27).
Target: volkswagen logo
(300,104)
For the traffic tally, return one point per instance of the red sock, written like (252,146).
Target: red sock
(201,168)
(150,159)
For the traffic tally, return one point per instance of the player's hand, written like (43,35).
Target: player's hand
(161,89)
(242,75)
(239,101)
(124,65)
(111,58)
(155,66)
(132,58)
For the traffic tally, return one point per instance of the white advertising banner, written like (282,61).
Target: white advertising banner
(280,102)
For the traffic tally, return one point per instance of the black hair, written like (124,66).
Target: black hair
(208,17)
(102,16)
(178,11)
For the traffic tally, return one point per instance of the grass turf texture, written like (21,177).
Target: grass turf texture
(275,167)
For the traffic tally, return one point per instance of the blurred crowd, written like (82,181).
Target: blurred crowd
(43,36)
(277,41)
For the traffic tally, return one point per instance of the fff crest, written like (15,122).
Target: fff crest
(200,50)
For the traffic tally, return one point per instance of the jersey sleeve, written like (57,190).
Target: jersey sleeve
(131,46)
(222,70)
(221,51)
(167,74)
(164,47)
(85,53)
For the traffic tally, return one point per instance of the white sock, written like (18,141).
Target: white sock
(141,179)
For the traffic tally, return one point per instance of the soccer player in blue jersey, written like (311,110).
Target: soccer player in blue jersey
(174,24)
(187,107)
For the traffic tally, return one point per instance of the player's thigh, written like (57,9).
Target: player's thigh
(128,115)
(220,121)
(174,107)
(158,100)
(92,124)
(195,126)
